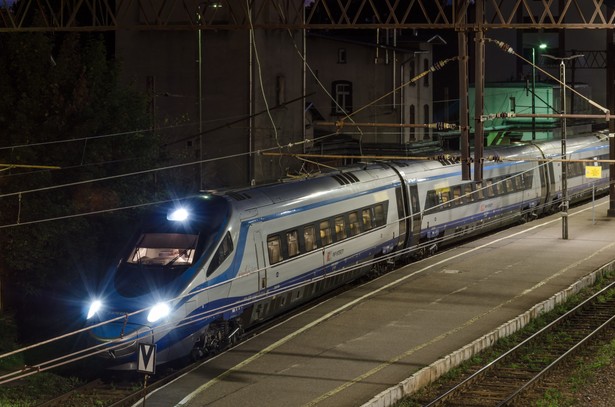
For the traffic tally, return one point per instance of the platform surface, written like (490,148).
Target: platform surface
(346,350)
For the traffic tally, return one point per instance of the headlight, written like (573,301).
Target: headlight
(179,214)
(95,306)
(159,310)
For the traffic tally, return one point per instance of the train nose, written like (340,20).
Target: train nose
(122,339)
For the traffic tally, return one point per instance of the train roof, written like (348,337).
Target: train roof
(333,182)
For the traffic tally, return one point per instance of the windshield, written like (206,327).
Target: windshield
(164,249)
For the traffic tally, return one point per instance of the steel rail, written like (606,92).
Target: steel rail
(476,376)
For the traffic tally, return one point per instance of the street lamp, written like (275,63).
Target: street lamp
(562,98)
(540,46)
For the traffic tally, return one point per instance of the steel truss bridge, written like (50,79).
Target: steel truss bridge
(106,15)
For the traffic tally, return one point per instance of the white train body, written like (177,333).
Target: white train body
(238,259)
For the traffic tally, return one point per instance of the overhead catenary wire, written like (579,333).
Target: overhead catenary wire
(118,176)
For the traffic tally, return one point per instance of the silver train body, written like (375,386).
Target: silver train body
(205,268)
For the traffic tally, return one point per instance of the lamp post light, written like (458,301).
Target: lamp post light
(540,46)
(562,98)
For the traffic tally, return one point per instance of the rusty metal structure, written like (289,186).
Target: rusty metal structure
(105,15)
(467,17)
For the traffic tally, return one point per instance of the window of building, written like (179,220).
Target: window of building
(342,92)
(426,119)
(426,68)
(412,121)
(341,55)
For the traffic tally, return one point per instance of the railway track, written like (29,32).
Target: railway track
(516,376)
(126,389)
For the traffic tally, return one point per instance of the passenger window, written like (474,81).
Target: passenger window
(518,182)
(490,189)
(224,250)
(309,237)
(467,193)
(340,228)
(366,215)
(273,246)
(353,223)
(292,243)
(325,233)
(499,187)
(431,200)
(457,195)
(445,197)
(379,218)
(480,191)
(528,180)
(509,185)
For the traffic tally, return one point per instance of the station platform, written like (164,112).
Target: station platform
(373,342)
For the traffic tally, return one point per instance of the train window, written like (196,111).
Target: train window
(445,197)
(457,195)
(509,185)
(366,215)
(431,200)
(309,238)
(480,191)
(224,250)
(489,188)
(340,228)
(292,243)
(353,223)
(518,181)
(379,218)
(528,179)
(325,233)
(274,249)
(578,169)
(164,249)
(414,199)
(499,186)
(467,193)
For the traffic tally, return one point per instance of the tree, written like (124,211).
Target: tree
(59,95)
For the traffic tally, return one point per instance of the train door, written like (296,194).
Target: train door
(547,182)
(415,215)
(402,215)
(261,261)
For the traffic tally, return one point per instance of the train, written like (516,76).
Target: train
(204,269)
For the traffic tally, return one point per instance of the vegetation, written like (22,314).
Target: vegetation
(62,104)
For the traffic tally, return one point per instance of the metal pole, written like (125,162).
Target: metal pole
(479,84)
(464,146)
(562,72)
(533,93)
(200,64)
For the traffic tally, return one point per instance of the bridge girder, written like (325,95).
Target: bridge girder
(109,15)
